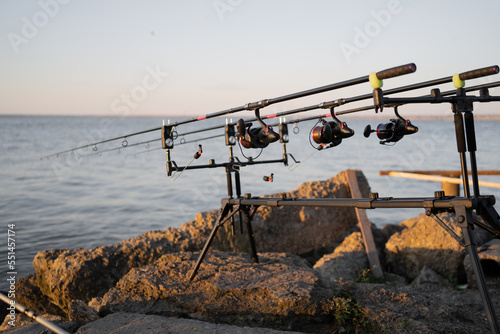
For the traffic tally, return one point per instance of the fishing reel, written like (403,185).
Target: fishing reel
(330,134)
(394,131)
(256,137)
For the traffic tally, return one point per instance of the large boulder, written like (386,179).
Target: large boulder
(418,309)
(489,258)
(281,292)
(296,229)
(80,274)
(423,242)
(346,261)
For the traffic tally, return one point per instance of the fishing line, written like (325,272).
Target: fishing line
(294,166)
(295,128)
(179,143)
(182,171)
(310,133)
(249,158)
(373,77)
(323,105)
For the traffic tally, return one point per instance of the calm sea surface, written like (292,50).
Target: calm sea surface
(85,199)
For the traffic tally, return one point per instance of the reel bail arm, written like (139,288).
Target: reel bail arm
(394,131)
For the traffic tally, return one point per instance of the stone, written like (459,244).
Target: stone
(489,258)
(423,242)
(130,323)
(346,261)
(29,295)
(281,292)
(81,312)
(296,229)
(412,309)
(78,274)
(429,277)
(390,229)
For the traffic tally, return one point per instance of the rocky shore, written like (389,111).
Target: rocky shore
(313,276)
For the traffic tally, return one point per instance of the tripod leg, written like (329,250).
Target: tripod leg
(248,221)
(464,218)
(222,219)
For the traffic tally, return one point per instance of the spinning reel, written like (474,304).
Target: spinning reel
(256,137)
(330,134)
(394,131)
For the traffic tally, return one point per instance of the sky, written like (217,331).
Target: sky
(178,58)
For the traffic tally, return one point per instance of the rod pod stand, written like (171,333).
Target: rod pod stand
(462,207)
(462,107)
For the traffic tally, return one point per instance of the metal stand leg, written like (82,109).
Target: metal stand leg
(248,220)
(223,217)
(464,218)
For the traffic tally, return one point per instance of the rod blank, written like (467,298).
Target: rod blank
(33,315)
(395,71)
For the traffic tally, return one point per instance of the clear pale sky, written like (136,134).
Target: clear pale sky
(163,58)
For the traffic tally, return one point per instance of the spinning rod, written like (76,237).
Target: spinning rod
(447,93)
(328,104)
(375,78)
(298,110)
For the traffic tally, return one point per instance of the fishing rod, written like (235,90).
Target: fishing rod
(376,84)
(31,314)
(323,105)
(436,97)
(447,93)
(375,77)
(309,108)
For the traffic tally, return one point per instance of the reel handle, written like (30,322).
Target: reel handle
(481,72)
(368,130)
(396,71)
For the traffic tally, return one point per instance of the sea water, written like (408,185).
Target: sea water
(86,198)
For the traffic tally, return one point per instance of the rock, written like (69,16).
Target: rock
(423,242)
(130,323)
(489,257)
(281,292)
(394,279)
(391,229)
(29,295)
(79,274)
(346,261)
(81,312)
(411,309)
(429,278)
(296,230)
